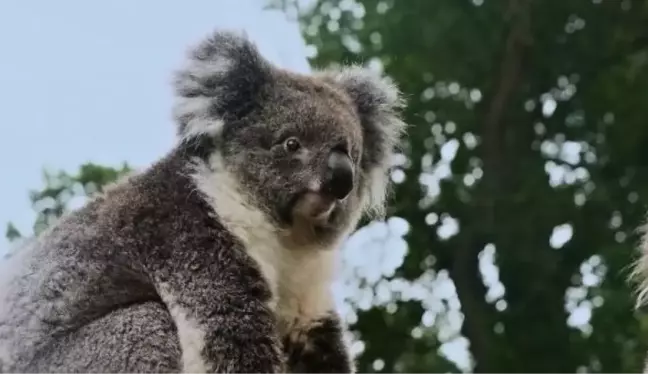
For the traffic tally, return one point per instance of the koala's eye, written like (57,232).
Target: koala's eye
(292,145)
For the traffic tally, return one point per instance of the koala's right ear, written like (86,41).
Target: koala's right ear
(221,80)
(379,103)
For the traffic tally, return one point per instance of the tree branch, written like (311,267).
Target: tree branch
(465,270)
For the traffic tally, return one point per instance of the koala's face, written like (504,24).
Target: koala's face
(300,153)
(311,151)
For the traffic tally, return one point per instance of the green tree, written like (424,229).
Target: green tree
(63,192)
(528,135)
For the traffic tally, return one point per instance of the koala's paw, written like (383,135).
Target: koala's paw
(253,357)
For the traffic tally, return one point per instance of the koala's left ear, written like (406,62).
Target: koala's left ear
(224,75)
(378,102)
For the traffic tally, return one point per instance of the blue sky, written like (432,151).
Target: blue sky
(89,81)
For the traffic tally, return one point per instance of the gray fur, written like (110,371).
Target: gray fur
(639,275)
(219,257)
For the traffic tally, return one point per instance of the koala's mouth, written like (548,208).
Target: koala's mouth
(315,208)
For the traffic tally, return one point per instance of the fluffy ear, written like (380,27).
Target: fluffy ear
(378,102)
(221,80)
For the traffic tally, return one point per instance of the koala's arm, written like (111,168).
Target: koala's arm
(219,305)
(318,347)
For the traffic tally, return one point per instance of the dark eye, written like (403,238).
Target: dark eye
(292,145)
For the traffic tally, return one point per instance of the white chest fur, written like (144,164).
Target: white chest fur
(299,278)
(300,281)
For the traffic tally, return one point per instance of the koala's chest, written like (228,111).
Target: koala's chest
(300,282)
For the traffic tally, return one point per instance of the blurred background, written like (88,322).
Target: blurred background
(521,184)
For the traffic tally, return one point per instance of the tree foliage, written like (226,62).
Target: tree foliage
(528,135)
(64,192)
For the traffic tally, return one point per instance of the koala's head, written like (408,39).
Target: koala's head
(311,151)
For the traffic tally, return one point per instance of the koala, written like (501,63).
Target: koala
(220,255)
(639,275)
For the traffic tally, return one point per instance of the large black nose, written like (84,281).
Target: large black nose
(338,180)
